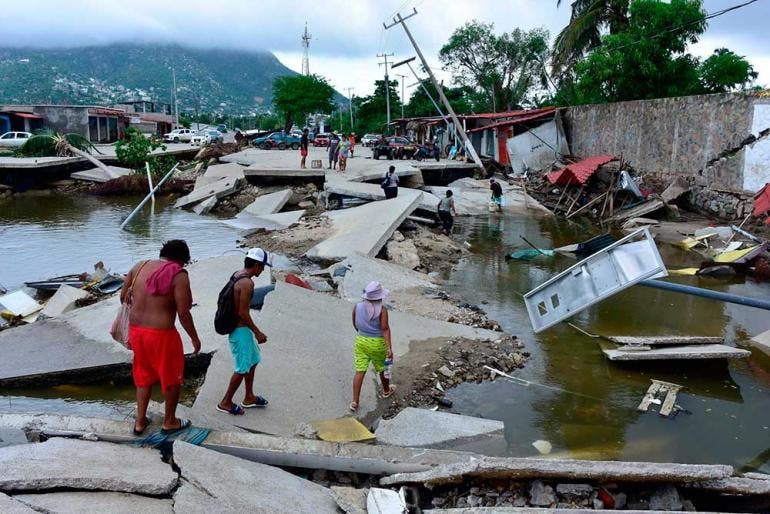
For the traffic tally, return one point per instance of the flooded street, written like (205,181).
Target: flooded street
(579,402)
(588,408)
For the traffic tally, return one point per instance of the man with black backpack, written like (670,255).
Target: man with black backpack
(233,318)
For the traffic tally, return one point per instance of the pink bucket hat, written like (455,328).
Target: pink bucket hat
(374,291)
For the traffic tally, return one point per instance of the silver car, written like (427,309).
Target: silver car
(14,139)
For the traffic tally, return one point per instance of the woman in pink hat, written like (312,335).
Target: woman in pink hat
(370,319)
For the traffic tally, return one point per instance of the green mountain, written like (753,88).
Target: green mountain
(212,80)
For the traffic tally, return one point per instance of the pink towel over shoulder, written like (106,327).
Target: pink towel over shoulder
(159,283)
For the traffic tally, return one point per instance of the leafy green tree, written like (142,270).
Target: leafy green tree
(649,60)
(506,68)
(135,149)
(725,71)
(371,111)
(589,18)
(297,96)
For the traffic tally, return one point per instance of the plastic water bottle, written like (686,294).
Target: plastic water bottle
(388,368)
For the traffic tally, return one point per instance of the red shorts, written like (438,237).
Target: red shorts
(158,356)
(303,152)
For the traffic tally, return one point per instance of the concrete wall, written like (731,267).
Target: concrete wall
(65,119)
(695,135)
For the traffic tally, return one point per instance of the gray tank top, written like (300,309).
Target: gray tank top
(367,327)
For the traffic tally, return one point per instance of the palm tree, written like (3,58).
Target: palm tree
(47,143)
(584,33)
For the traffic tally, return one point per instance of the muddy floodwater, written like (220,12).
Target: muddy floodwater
(584,405)
(581,403)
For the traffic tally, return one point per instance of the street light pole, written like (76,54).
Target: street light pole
(402,92)
(350,101)
(387,87)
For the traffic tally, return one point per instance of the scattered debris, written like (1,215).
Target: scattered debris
(544,447)
(659,389)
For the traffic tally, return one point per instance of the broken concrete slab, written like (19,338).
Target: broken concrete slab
(350,499)
(362,269)
(245,157)
(366,191)
(63,301)
(638,211)
(677,188)
(10,506)
(306,174)
(75,464)
(516,468)
(249,487)
(219,171)
(363,229)
(99,176)
(248,224)
(219,189)
(307,373)
(268,204)
(205,206)
(664,340)
(422,427)
(689,352)
(762,341)
(77,502)
(384,501)
(12,437)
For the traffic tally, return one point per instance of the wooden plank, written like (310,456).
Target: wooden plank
(649,396)
(587,205)
(575,200)
(669,402)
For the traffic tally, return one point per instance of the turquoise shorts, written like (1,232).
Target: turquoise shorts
(244,349)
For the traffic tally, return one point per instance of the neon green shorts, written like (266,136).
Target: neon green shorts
(370,349)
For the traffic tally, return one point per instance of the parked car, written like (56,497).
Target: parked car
(321,140)
(222,128)
(14,139)
(394,147)
(179,135)
(370,139)
(277,140)
(207,137)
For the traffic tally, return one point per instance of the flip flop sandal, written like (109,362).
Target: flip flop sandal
(235,410)
(259,402)
(183,425)
(146,424)
(353,406)
(390,392)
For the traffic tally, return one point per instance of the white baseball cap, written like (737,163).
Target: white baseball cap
(261,256)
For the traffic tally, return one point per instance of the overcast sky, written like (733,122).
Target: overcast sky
(346,35)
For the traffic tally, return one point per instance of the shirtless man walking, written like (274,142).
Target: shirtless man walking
(244,348)
(160,291)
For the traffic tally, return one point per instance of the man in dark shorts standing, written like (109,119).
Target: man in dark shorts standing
(303,146)
(160,291)
(244,349)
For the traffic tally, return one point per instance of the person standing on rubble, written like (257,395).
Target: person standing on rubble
(446,208)
(342,153)
(159,291)
(497,194)
(334,143)
(303,146)
(373,342)
(390,183)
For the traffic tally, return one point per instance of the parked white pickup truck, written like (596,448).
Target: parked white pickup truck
(179,135)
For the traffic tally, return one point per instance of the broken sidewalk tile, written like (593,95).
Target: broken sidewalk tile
(342,430)
(89,501)
(423,427)
(350,500)
(98,175)
(268,204)
(247,224)
(220,189)
(205,206)
(9,505)
(384,501)
(624,263)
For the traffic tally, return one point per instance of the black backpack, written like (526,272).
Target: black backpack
(226,319)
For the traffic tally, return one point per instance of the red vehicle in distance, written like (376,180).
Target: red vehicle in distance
(321,140)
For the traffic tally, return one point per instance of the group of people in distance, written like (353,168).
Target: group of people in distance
(340,149)
(158,291)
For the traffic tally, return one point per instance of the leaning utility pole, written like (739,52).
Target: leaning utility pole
(402,92)
(350,100)
(387,87)
(469,147)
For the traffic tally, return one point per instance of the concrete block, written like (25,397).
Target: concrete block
(350,499)
(77,502)
(63,301)
(10,506)
(97,175)
(308,174)
(248,223)
(364,229)
(268,204)
(689,352)
(205,206)
(75,464)
(422,427)
(214,482)
(219,171)
(306,370)
(220,189)
(384,501)
(428,201)
(361,270)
